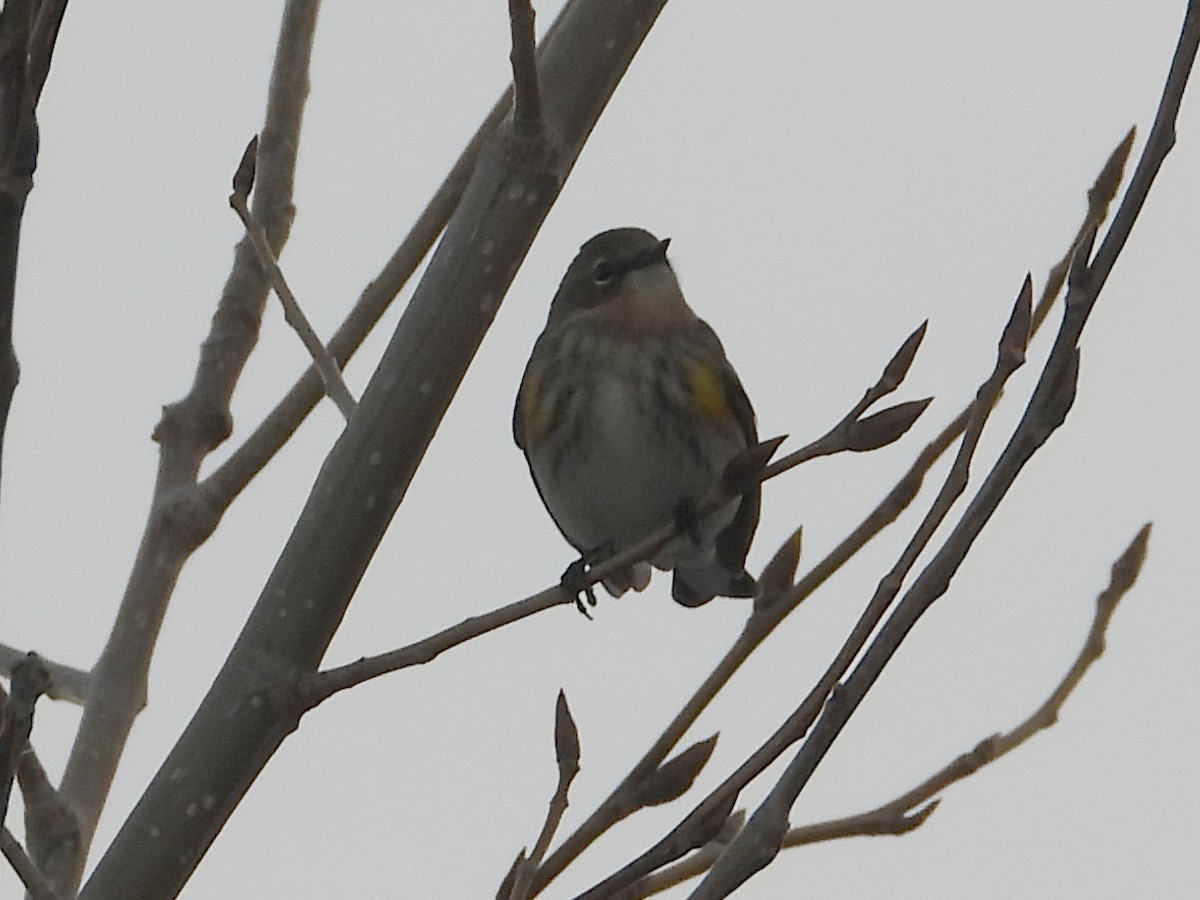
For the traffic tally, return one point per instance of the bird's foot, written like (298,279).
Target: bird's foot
(574,582)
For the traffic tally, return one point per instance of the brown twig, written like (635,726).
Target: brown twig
(566,747)
(320,686)
(326,365)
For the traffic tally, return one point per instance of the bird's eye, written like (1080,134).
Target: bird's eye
(603,273)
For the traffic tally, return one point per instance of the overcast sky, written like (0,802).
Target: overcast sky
(831,175)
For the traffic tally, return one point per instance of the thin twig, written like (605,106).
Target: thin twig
(327,367)
(320,686)
(566,747)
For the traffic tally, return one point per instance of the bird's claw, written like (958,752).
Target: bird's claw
(574,582)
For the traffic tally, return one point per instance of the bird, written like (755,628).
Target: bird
(628,413)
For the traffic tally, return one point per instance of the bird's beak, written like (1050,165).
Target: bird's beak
(653,256)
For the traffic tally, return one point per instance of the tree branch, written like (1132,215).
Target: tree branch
(66,683)
(29,680)
(293,314)
(37,885)
(18,161)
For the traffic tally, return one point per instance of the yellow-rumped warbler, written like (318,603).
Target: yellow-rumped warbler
(628,414)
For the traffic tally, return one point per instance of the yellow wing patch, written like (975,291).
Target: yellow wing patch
(531,418)
(706,389)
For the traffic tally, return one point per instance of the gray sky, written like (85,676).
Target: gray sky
(831,175)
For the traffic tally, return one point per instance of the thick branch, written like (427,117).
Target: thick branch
(251,707)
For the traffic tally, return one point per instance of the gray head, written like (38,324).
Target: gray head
(625,269)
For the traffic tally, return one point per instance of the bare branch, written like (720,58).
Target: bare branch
(232,476)
(1158,145)
(18,160)
(320,686)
